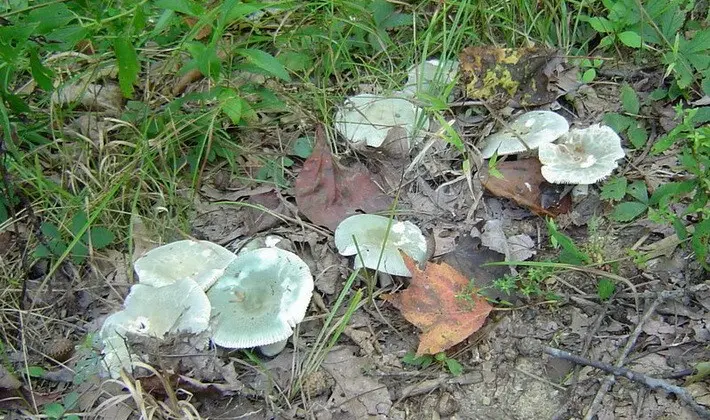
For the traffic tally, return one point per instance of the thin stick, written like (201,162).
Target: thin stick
(648,381)
(630,343)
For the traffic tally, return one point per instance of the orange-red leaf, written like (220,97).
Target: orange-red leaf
(440,302)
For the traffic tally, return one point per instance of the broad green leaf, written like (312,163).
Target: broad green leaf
(50,230)
(589,75)
(630,39)
(231,104)
(618,122)
(37,372)
(42,75)
(54,410)
(265,61)
(302,147)
(295,61)
(50,17)
(614,189)
(68,36)
(658,94)
(79,253)
(206,57)
(601,24)
(101,237)
(454,366)
(628,210)
(128,66)
(671,189)
(188,7)
(78,222)
(571,254)
(605,288)
(629,99)
(70,400)
(638,191)
(637,134)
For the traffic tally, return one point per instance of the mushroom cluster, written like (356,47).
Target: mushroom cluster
(252,299)
(368,120)
(577,156)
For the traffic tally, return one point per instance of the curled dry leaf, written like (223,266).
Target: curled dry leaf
(327,193)
(522,75)
(440,302)
(523,183)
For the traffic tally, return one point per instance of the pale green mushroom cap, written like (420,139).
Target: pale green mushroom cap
(534,128)
(153,311)
(370,231)
(368,119)
(202,261)
(582,156)
(260,299)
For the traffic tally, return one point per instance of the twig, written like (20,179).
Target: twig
(648,381)
(562,412)
(630,343)
(609,380)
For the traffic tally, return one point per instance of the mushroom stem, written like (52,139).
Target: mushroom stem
(271,350)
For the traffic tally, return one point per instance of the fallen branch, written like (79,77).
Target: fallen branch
(648,381)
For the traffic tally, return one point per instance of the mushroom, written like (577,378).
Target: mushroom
(260,299)
(582,156)
(368,119)
(154,312)
(366,233)
(202,261)
(430,76)
(534,128)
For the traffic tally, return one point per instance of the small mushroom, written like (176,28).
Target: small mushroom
(582,156)
(534,128)
(260,298)
(202,261)
(430,76)
(368,119)
(153,311)
(369,232)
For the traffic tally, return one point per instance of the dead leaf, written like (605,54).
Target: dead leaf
(520,75)
(327,193)
(515,248)
(523,183)
(354,393)
(257,219)
(440,303)
(106,98)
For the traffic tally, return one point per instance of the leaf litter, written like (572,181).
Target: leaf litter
(326,194)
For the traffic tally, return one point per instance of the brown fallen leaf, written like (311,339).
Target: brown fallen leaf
(523,183)
(327,193)
(521,75)
(440,302)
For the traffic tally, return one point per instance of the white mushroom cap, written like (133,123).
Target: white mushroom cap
(202,261)
(430,74)
(260,298)
(583,156)
(534,127)
(153,311)
(367,119)
(370,232)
